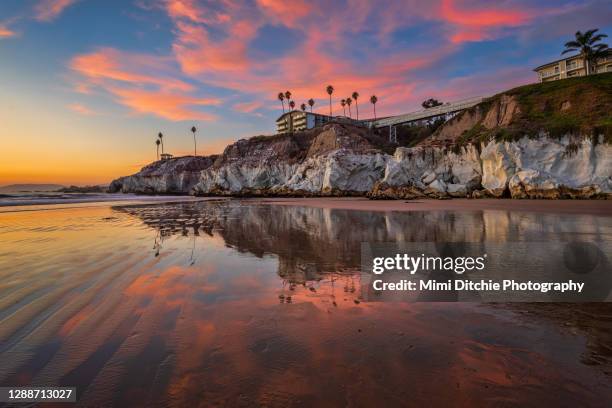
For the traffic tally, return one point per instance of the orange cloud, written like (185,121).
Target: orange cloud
(81,109)
(170,106)
(130,77)
(6,33)
(286,12)
(108,63)
(190,10)
(47,10)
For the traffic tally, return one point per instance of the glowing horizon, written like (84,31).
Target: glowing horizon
(87,87)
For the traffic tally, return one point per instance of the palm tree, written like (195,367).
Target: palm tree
(303,107)
(288,95)
(343,104)
(161,139)
(291,104)
(193,130)
(311,102)
(586,44)
(157,143)
(281,97)
(373,100)
(355,96)
(348,102)
(330,91)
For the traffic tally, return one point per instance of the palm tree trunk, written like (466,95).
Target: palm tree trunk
(283,103)
(157,152)
(194,146)
(350,114)
(357,107)
(586,66)
(374,111)
(330,110)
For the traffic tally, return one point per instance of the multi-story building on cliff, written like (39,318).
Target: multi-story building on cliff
(295,121)
(572,67)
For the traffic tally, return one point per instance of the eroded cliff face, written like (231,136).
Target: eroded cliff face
(336,160)
(526,168)
(548,168)
(482,152)
(174,176)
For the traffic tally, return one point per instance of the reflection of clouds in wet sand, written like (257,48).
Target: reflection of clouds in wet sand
(261,305)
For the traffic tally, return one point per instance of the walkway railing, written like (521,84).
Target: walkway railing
(444,109)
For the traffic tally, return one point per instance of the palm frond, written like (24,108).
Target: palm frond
(588,34)
(598,37)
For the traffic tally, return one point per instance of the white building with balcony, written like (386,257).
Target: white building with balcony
(572,67)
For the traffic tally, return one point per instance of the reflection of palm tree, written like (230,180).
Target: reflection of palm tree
(333,295)
(191,258)
(157,243)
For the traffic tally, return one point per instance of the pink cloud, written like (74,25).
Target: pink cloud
(469,35)
(198,53)
(47,10)
(212,43)
(81,109)
(472,24)
(481,18)
(248,107)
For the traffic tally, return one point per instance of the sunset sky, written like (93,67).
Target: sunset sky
(85,85)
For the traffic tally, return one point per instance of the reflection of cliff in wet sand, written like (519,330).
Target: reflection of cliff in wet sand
(318,245)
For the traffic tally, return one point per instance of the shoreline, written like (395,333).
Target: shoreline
(586,207)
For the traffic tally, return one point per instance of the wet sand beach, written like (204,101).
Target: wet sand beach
(246,303)
(595,207)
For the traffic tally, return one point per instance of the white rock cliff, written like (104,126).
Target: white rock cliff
(338,162)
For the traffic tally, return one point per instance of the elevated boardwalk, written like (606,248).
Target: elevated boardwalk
(423,114)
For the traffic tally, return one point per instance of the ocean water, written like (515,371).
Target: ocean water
(246,303)
(54,198)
